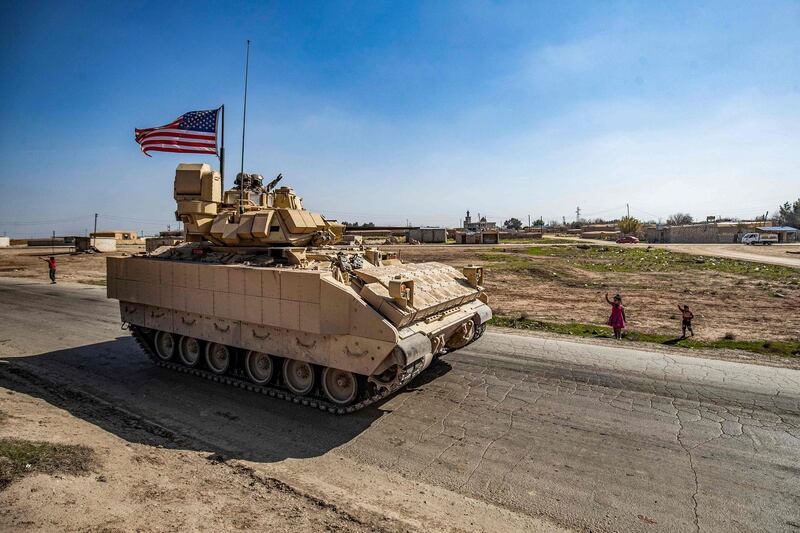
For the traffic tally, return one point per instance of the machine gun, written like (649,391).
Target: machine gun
(271,185)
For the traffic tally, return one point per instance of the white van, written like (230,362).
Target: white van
(759,238)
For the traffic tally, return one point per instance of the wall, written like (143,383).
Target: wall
(152,243)
(428,234)
(101,244)
(697,233)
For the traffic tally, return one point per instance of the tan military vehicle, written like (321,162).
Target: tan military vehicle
(261,297)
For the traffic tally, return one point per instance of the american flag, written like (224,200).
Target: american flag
(194,132)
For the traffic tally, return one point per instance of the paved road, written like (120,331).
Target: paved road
(588,437)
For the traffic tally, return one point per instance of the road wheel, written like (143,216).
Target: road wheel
(189,351)
(259,367)
(298,376)
(339,386)
(480,329)
(218,357)
(462,336)
(165,345)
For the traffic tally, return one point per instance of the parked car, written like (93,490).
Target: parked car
(628,239)
(759,238)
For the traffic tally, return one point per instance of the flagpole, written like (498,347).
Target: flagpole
(222,149)
(244,123)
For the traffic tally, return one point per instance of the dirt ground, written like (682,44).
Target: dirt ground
(557,289)
(136,487)
(78,267)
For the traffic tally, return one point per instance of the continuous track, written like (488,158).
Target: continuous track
(275,392)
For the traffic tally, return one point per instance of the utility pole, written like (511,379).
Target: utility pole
(53,244)
(628,207)
(577,214)
(94,235)
(529,221)
(564,220)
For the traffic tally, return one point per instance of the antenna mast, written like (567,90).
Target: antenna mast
(244,124)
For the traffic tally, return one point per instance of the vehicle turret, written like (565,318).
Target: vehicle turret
(250,214)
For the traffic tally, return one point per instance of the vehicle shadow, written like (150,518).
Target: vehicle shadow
(113,385)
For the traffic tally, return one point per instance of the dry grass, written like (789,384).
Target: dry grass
(20,457)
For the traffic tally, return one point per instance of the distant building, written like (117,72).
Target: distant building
(480,225)
(100,244)
(489,236)
(785,233)
(428,234)
(703,232)
(121,236)
(601,235)
(608,232)
(52,241)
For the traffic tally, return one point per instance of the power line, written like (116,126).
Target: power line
(41,222)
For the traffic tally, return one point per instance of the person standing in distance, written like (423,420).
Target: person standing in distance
(617,318)
(51,265)
(686,322)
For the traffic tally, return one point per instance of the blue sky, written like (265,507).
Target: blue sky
(406,111)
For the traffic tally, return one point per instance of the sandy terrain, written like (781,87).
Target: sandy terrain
(78,267)
(148,488)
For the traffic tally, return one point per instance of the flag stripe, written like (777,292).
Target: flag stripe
(188,136)
(170,125)
(173,142)
(193,132)
(179,150)
(178,131)
(175,136)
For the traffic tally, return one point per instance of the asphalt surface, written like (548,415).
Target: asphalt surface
(585,436)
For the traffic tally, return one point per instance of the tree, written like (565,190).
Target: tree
(680,219)
(629,226)
(513,223)
(357,225)
(789,214)
(538,222)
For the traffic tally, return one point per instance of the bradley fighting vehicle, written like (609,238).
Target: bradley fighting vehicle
(260,297)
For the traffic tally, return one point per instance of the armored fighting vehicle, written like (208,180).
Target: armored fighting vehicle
(260,296)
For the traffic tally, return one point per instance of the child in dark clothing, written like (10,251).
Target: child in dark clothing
(686,322)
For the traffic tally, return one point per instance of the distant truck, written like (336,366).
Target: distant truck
(759,238)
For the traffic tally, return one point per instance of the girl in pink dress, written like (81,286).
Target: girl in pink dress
(617,318)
